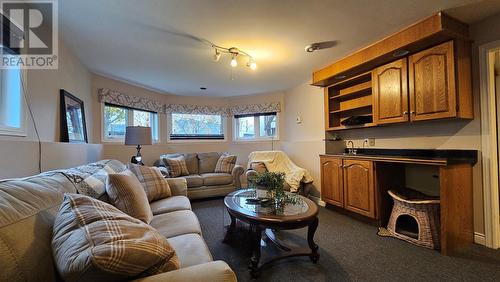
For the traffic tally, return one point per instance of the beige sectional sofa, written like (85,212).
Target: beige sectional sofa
(203,181)
(27,211)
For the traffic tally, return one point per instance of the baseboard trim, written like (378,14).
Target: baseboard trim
(479,238)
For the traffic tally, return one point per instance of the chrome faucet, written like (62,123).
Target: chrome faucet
(351,150)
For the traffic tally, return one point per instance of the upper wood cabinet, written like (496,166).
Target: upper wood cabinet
(432,83)
(332,188)
(390,93)
(359,187)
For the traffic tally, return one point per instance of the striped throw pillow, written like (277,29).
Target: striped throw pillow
(125,192)
(152,180)
(176,166)
(225,164)
(92,240)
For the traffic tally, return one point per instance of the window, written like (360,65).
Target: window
(196,126)
(11,102)
(117,118)
(256,126)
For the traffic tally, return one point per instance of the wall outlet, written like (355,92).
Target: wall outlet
(299,120)
(371,142)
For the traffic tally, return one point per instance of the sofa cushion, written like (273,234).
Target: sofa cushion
(207,162)
(194,180)
(170,204)
(93,240)
(27,211)
(125,192)
(191,249)
(152,181)
(212,179)
(225,164)
(176,166)
(176,223)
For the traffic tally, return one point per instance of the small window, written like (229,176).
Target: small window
(116,120)
(256,126)
(11,102)
(196,126)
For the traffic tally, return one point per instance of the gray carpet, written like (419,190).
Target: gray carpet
(350,251)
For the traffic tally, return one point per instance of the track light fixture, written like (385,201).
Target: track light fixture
(234,53)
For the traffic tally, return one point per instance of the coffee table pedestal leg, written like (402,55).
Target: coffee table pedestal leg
(254,260)
(230,230)
(314,256)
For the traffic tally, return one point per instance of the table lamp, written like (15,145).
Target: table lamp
(138,135)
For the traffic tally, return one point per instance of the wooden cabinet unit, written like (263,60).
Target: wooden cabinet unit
(432,83)
(332,181)
(359,188)
(348,184)
(390,93)
(420,73)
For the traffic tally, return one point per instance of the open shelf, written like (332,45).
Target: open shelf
(350,109)
(351,97)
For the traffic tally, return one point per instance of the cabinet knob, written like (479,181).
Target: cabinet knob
(412,112)
(341,165)
(405,113)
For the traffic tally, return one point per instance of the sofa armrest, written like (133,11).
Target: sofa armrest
(238,170)
(210,271)
(178,186)
(250,173)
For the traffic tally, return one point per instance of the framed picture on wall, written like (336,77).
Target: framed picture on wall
(73,126)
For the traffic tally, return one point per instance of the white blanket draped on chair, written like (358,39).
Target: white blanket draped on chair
(278,161)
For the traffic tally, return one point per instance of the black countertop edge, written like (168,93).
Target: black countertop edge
(451,156)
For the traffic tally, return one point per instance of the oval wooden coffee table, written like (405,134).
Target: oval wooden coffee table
(261,217)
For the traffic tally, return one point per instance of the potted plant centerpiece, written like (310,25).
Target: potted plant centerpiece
(273,182)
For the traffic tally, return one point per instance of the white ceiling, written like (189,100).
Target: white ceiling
(149,42)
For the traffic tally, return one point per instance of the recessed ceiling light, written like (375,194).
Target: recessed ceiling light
(320,45)
(203,88)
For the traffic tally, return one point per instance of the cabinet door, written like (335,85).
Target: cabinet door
(432,83)
(390,93)
(331,181)
(359,188)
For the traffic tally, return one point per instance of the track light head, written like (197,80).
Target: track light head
(234,63)
(217,55)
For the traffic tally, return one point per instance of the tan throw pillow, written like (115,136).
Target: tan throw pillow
(177,166)
(152,180)
(94,241)
(225,164)
(125,192)
(258,167)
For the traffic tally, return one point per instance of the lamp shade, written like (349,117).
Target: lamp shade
(138,135)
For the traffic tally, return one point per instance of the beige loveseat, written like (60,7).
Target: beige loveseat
(203,181)
(27,210)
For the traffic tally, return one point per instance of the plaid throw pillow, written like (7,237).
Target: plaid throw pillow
(152,181)
(176,166)
(93,240)
(225,164)
(125,192)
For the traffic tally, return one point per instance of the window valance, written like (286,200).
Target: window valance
(120,99)
(274,107)
(196,109)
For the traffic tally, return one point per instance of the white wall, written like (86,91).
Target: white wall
(43,92)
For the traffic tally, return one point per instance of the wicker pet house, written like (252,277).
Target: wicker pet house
(415,218)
